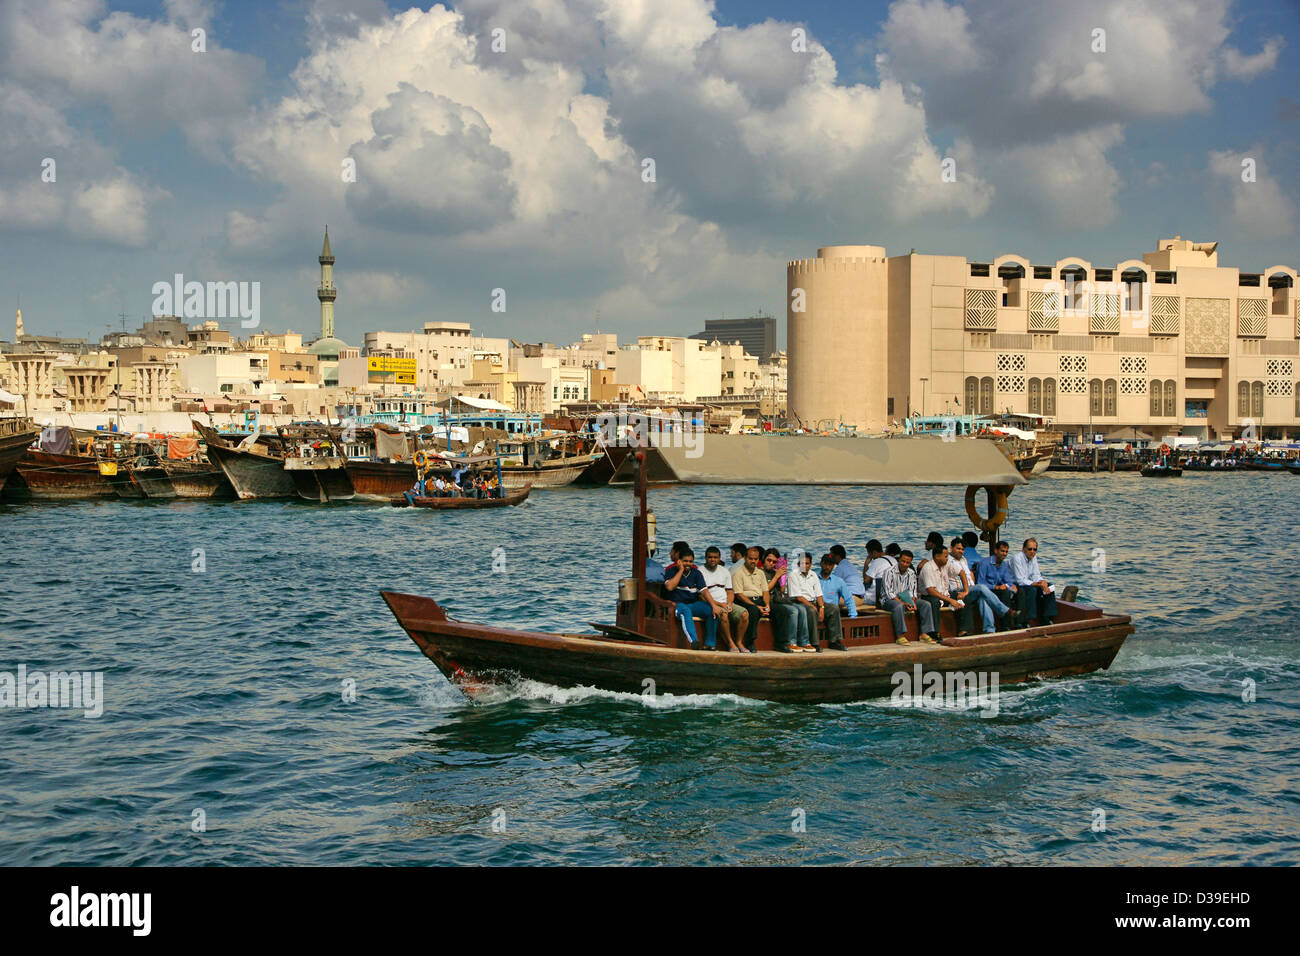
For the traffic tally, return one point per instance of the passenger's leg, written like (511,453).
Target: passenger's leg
(834,625)
(683,612)
(925,615)
(789,626)
(705,610)
(935,606)
(1046,606)
(895,608)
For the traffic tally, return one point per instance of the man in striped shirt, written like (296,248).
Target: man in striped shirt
(900,598)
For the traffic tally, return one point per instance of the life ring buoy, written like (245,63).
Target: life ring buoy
(1165,449)
(421,459)
(997,497)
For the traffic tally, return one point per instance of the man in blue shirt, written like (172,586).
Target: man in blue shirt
(685,585)
(834,590)
(994,575)
(850,574)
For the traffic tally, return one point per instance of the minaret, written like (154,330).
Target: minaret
(18,327)
(327,293)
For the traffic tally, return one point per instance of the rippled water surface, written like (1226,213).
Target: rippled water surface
(224,691)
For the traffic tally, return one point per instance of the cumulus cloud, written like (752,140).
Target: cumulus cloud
(1239,66)
(1259,209)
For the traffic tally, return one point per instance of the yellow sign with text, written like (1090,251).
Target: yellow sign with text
(402,370)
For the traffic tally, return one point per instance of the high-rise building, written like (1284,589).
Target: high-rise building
(1171,343)
(757,334)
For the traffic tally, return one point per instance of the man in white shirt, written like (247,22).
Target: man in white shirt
(733,621)
(877,565)
(805,589)
(1035,598)
(439,487)
(934,587)
(959,585)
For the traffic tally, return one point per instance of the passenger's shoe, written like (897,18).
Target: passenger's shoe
(927,639)
(901,640)
(817,648)
(784,649)
(838,646)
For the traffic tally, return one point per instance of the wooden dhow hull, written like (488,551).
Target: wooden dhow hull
(198,479)
(253,474)
(41,474)
(380,480)
(15,436)
(472,655)
(556,473)
(320,479)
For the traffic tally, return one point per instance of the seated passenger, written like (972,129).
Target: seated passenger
(439,487)
(779,608)
(971,542)
(934,587)
(732,620)
(851,574)
(806,591)
(738,552)
(900,596)
(1035,598)
(932,540)
(834,593)
(685,586)
(994,575)
(960,582)
(749,584)
(877,565)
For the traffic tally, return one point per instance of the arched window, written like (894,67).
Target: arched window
(1171,405)
(1111,391)
(1035,397)
(1074,277)
(1257,399)
(1281,284)
(1008,273)
(1049,396)
(1243,399)
(1157,394)
(972,395)
(986,395)
(1094,396)
(1133,280)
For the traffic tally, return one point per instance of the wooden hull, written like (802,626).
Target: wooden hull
(152,481)
(1162,472)
(472,654)
(198,479)
(550,474)
(14,439)
(320,479)
(42,474)
(252,474)
(460,504)
(380,480)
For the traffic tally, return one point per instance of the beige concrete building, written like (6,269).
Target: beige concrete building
(1171,343)
(670,368)
(444,352)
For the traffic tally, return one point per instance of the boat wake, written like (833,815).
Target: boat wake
(491,695)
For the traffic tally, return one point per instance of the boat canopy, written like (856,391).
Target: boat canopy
(830,460)
(485,404)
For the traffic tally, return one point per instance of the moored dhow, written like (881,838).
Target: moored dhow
(647,643)
(255,467)
(16,434)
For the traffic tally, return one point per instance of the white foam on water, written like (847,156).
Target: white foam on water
(549,693)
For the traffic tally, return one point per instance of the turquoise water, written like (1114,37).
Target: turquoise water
(224,691)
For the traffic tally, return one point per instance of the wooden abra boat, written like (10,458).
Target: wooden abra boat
(15,435)
(451,504)
(647,643)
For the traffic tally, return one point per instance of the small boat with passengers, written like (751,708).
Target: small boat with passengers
(647,644)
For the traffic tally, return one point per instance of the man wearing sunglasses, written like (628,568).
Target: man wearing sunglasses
(1035,598)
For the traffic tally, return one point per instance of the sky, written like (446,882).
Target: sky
(637,166)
